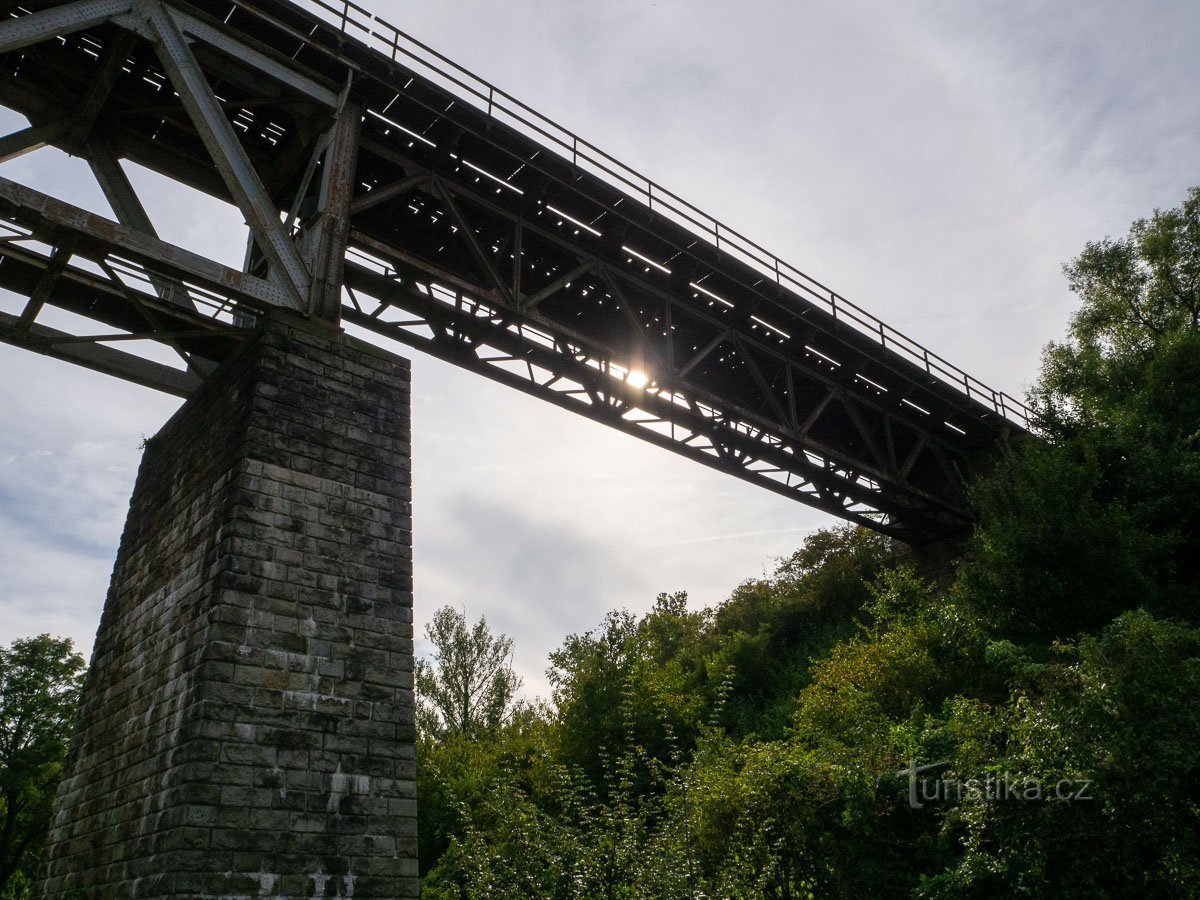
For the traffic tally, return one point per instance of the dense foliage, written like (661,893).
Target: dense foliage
(40,679)
(843,729)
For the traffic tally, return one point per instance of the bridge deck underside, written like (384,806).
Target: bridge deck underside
(471,240)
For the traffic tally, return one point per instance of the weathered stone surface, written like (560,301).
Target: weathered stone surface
(247,724)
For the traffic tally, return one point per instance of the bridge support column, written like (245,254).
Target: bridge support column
(935,561)
(247,723)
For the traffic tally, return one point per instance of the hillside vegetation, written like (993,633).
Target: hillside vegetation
(776,745)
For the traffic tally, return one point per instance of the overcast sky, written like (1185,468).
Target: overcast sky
(936,162)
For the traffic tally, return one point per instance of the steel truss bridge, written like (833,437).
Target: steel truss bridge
(388,188)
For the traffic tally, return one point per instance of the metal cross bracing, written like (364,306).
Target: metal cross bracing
(388,188)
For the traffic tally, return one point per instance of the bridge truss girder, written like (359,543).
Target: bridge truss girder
(374,199)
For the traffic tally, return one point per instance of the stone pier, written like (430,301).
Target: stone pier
(247,723)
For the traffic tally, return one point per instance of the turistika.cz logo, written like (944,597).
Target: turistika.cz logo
(999,786)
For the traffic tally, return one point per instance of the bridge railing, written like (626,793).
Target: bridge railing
(356,22)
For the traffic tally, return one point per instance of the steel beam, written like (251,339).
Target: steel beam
(60,345)
(558,283)
(220,40)
(882,460)
(301,195)
(114,306)
(777,421)
(781,429)
(385,193)
(115,55)
(760,380)
(333,211)
(816,412)
(228,155)
(444,188)
(637,328)
(129,210)
(701,354)
(93,236)
(732,450)
(499,331)
(21,31)
(29,139)
(487,268)
(59,258)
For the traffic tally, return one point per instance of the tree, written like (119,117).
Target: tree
(1115,718)
(471,686)
(769,629)
(1138,321)
(1103,515)
(40,681)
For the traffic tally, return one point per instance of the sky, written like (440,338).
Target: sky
(935,162)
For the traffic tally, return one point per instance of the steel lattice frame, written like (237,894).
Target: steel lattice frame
(390,189)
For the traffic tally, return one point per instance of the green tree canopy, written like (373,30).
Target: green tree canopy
(40,681)
(1129,360)
(1103,514)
